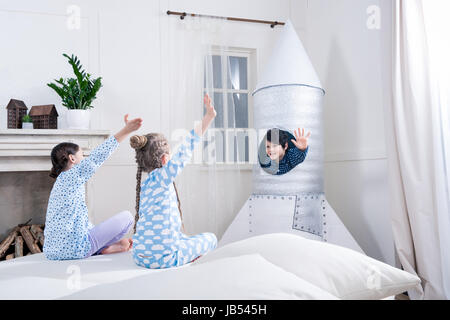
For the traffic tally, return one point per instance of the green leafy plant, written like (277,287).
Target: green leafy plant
(77,93)
(26,118)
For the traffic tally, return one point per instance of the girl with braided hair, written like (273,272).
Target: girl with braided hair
(158,241)
(68,232)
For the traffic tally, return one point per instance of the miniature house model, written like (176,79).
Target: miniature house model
(44,117)
(16,110)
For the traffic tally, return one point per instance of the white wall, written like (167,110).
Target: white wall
(353,64)
(150,100)
(125,43)
(121,41)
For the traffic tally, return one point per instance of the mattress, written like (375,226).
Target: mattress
(115,276)
(35,277)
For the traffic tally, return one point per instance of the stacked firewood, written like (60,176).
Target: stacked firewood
(23,240)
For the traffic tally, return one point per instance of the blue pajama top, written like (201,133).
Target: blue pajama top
(158,230)
(67,223)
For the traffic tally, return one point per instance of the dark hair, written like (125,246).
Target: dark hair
(60,156)
(283,136)
(149,150)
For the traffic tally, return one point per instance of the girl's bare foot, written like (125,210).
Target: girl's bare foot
(120,246)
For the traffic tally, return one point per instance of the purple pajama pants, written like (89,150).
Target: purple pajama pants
(109,231)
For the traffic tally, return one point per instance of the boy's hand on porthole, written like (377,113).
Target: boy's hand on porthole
(301,141)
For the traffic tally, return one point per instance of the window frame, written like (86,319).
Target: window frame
(250,54)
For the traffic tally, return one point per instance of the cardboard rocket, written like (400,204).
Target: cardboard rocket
(289,96)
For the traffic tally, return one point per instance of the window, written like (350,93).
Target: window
(228,76)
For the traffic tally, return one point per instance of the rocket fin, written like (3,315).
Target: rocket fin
(337,233)
(272,214)
(238,229)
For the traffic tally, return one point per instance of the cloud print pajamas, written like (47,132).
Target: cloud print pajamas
(158,241)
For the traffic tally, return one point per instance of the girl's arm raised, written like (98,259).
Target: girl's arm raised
(168,173)
(87,167)
(130,126)
(208,118)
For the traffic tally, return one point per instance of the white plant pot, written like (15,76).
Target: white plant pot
(78,119)
(27,125)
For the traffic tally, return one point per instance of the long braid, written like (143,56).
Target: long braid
(149,151)
(138,196)
(179,207)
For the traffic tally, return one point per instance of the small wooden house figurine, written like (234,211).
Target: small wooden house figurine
(44,117)
(16,110)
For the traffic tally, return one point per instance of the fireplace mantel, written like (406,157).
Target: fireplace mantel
(29,149)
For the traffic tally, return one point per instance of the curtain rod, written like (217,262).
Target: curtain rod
(184,14)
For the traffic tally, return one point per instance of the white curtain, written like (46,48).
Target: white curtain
(418,144)
(198,62)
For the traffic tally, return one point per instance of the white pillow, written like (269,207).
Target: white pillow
(244,277)
(343,272)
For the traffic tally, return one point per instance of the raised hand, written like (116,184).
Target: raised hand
(132,125)
(301,141)
(211,113)
(209,107)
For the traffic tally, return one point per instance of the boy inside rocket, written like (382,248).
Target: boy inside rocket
(283,151)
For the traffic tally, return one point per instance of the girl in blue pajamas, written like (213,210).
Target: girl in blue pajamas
(158,241)
(68,232)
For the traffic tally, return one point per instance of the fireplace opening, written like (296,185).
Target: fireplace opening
(23,204)
(22,241)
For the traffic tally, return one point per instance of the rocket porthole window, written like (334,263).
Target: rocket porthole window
(277,154)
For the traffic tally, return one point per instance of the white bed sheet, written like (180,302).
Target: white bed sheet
(116,276)
(234,278)
(35,277)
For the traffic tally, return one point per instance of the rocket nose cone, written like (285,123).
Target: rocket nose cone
(289,63)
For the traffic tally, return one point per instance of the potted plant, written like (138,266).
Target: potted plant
(27,123)
(77,94)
